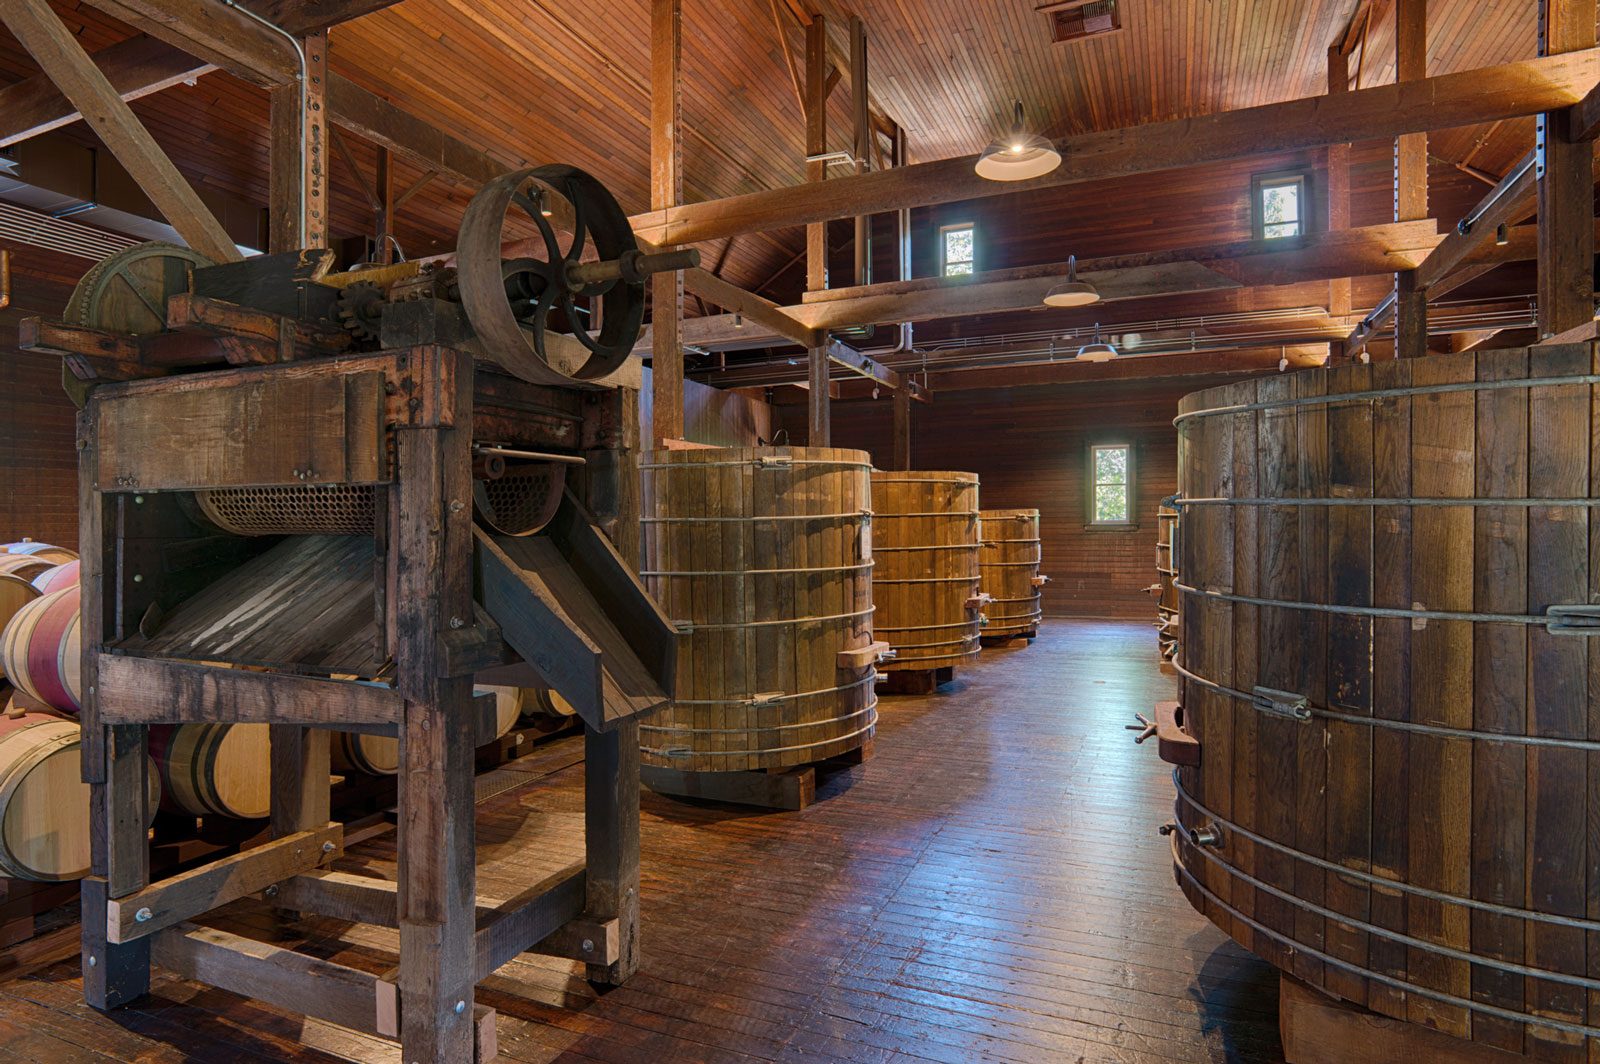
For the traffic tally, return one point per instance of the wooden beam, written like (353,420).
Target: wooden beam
(860,112)
(782,32)
(135,67)
(1512,90)
(666,190)
(1411,149)
(1583,121)
(298,155)
(307,16)
(214,32)
(383,220)
(1338,187)
(1508,202)
(381,122)
(58,52)
(900,430)
(762,312)
(1143,367)
(157,691)
(816,144)
(1565,184)
(819,418)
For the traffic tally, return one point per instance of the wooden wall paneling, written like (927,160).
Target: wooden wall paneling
(1500,694)
(1440,772)
(1349,678)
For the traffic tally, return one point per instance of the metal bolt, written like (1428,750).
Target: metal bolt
(461,1006)
(93,960)
(143,916)
(138,578)
(138,500)
(456,506)
(272,891)
(327,847)
(588,945)
(457,622)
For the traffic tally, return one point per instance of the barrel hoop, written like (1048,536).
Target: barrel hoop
(1576,922)
(957,478)
(748,702)
(694,626)
(1001,565)
(1590,745)
(1030,598)
(1391,393)
(1368,973)
(932,546)
(755,572)
(1363,501)
(855,514)
(901,658)
(880,629)
(873,723)
(929,513)
(758,727)
(1398,936)
(758,463)
(928,580)
(1377,611)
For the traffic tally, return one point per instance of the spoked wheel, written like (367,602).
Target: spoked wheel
(514,304)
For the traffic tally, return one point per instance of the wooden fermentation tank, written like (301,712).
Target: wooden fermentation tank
(1165,589)
(925,585)
(1389,720)
(1008,567)
(763,556)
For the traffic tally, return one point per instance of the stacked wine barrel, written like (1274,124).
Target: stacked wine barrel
(1008,569)
(926,585)
(379,755)
(765,554)
(42,647)
(1389,723)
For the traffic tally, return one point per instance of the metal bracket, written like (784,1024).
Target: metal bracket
(1576,619)
(1281,703)
(775,461)
(764,699)
(1146,727)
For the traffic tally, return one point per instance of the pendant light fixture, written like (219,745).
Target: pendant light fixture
(1018,155)
(1072,292)
(1097,350)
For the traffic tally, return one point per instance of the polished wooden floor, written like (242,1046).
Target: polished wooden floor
(990,887)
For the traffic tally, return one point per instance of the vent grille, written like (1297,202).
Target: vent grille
(1077,20)
(58,234)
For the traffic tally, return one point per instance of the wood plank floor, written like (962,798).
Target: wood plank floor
(990,887)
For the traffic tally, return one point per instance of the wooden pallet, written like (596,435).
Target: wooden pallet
(915,681)
(1318,1029)
(790,788)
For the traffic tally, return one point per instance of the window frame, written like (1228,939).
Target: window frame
(1091,484)
(1260,183)
(944,261)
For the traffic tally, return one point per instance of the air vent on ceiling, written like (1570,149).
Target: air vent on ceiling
(1076,20)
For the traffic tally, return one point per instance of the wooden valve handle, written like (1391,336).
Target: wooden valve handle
(1040,580)
(980,600)
(1174,745)
(861,657)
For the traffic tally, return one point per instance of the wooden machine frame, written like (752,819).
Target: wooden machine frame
(402,420)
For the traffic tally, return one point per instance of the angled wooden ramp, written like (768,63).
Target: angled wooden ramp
(570,607)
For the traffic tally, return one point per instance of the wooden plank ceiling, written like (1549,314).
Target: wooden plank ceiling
(568,81)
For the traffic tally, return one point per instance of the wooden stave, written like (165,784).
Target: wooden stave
(929,625)
(830,710)
(42,650)
(15,593)
(186,757)
(57,577)
(25,566)
(1513,443)
(1007,566)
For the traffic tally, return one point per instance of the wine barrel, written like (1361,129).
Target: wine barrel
(926,586)
(1389,721)
(765,553)
(25,566)
(379,755)
(42,647)
(1008,568)
(544,702)
(57,577)
(15,593)
(46,552)
(1165,587)
(214,769)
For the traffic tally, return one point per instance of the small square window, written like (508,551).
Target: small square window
(1279,205)
(958,250)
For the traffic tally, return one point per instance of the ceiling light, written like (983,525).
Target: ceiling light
(1019,155)
(1097,350)
(1072,292)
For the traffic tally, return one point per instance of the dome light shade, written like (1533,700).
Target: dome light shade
(1018,155)
(1072,292)
(1097,350)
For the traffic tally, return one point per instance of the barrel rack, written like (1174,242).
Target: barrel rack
(182,622)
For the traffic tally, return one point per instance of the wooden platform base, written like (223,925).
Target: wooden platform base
(1009,639)
(791,788)
(915,681)
(1318,1029)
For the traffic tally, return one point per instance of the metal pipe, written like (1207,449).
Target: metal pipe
(1465,225)
(5,278)
(304,77)
(528,456)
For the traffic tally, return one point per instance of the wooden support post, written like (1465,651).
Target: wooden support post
(1566,186)
(818,414)
(861,109)
(1410,176)
(383,189)
(902,425)
(1411,318)
(1338,206)
(58,52)
(431,539)
(114,760)
(298,157)
(611,841)
(816,144)
(666,190)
